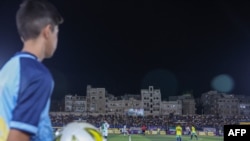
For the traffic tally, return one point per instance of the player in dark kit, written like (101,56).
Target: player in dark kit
(143,128)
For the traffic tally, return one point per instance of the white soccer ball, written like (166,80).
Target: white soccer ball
(79,131)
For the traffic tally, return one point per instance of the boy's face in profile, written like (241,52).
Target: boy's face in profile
(51,40)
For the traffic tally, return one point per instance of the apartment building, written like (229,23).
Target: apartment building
(75,103)
(151,101)
(171,107)
(222,104)
(99,101)
(187,103)
(96,100)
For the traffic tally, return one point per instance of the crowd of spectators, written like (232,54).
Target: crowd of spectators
(118,121)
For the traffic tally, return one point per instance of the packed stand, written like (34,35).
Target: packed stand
(163,122)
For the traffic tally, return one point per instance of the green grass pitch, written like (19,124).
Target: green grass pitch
(116,137)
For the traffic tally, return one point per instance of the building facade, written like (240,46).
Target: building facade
(116,107)
(99,101)
(227,105)
(188,106)
(222,104)
(209,102)
(244,104)
(171,107)
(96,100)
(151,101)
(75,103)
(187,103)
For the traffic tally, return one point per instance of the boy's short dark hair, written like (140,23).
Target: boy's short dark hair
(33,15)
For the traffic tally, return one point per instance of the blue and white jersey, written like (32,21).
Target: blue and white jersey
(25,89)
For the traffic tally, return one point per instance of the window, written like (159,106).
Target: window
(150,88)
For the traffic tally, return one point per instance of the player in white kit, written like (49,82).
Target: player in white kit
(125,131)
(104,130)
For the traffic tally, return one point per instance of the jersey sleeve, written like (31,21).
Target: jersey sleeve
(34,93)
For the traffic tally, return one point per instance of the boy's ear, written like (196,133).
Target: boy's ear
(46,31)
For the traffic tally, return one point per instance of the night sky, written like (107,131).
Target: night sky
(123,46)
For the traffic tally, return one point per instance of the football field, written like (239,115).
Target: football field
(113,137)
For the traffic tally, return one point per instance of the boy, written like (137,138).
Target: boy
(26,84)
